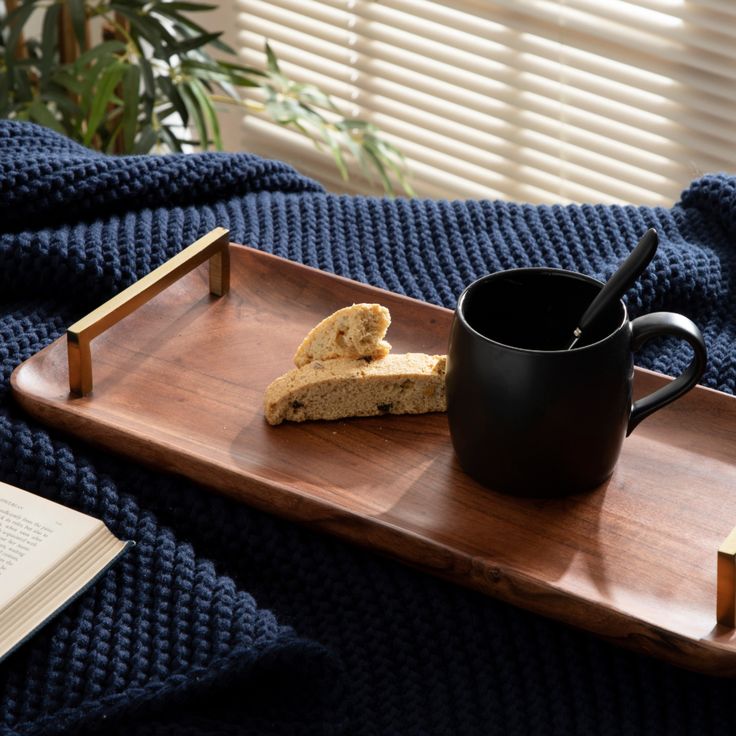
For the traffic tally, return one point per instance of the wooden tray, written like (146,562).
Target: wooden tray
(179,385)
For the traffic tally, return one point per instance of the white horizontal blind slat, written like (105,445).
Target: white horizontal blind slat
(525,146)
(494,56)
(652,132)
(488,113)
(533,100)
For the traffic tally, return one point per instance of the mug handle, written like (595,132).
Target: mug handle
(667,323)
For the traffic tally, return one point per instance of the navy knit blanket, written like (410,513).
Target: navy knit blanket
(225,620)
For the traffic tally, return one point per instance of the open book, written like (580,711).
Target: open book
(48,555)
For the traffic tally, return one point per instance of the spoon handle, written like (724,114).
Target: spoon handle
(618,284)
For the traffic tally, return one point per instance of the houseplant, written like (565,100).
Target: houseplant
(151,80)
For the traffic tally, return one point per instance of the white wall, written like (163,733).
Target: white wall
(223,18)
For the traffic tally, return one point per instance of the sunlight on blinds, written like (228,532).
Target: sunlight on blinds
(525,100)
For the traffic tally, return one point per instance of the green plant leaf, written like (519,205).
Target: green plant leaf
(149,79)
(90,76)
(164,111)
(23,87)
(49,41)
(377,162)
(146,141)
(168,137)
(391,154)
(42,115)
(282,111)
(205,103)
(149,30)
(215,72)
(101,51)
(220,45)
(172,94)
(356,151)
(131,93)
(147,111)
(5,105)
(196,114)
(16,21)
(78,14)
(338,157)
(250,70)
(112,139)
(310,94)
(64,78)
(66,104)
(182,47)
(182,25)
(103,94)
(185,7)
(348,123)
(272,62)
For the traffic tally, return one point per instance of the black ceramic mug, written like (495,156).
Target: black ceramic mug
(526,415)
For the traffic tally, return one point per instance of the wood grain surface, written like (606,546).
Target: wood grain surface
(179,385)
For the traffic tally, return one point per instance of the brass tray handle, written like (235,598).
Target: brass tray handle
(213,247)
(726,585)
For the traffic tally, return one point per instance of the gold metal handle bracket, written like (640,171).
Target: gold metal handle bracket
(726,582)
(213,247)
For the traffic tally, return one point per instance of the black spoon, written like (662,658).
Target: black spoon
(618,284)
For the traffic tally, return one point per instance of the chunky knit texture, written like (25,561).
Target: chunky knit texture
(224,620)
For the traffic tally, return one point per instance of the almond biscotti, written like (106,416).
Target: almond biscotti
(351,332)
(412,383)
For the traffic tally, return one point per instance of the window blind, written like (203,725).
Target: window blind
(525,100)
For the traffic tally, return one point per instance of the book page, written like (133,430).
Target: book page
(35,535)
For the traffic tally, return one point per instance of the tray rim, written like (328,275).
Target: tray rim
(381,535)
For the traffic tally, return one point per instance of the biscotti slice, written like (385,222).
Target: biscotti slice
(351,332)
(412,383)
